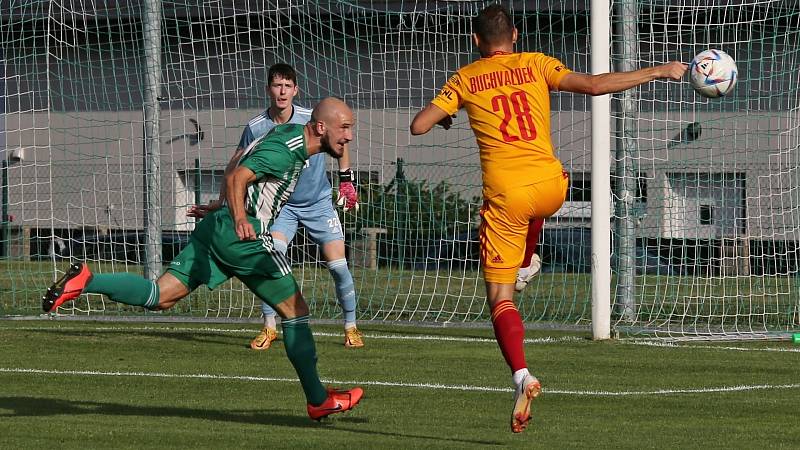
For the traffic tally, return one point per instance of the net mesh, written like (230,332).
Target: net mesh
(705,218)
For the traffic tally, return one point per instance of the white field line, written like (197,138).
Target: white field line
(433,386)
(711,347)
(399,337)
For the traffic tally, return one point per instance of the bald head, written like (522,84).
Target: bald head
(332,123)
(331,109)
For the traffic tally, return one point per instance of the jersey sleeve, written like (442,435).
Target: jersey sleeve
(247,137)
(552,69)
(450,97)
(263,161)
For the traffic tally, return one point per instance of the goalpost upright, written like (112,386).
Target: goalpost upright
(601,175)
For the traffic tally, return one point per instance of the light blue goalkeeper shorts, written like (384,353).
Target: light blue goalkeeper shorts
(320,221)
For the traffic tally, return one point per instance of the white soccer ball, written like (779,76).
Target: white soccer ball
(713,73)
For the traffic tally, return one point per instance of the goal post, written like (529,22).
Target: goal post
(601,168)
(689,227)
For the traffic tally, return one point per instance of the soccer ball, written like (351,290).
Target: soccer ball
(713,73)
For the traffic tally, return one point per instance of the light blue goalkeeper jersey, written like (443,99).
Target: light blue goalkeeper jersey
(313,184)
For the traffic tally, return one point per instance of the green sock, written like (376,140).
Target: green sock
(125,288)
(299,344)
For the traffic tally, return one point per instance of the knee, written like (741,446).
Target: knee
(170,291)
(164,304)
(294,306)
(338,268)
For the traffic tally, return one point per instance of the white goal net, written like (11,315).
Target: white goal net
(106,146)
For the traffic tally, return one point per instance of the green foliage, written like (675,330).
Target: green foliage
(415,210)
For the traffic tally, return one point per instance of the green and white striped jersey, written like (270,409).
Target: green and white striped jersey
(276,159)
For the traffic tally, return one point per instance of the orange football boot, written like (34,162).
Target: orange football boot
(529,389)
(68,287)
(353,338)
(337,401)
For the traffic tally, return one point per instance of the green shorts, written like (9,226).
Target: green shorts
(215,254)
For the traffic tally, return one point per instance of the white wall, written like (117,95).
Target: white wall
(86,168)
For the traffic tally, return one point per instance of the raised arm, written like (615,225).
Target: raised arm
(348,196)
(607,83)
(344,161)
(236,184)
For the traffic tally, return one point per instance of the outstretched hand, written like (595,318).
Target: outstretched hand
(348,197)
(200,211)
(674,70)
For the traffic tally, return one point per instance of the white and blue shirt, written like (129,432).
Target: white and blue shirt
(313,184)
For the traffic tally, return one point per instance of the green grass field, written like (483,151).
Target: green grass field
(85,384)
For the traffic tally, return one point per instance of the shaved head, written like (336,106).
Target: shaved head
(331,109)
(332,123)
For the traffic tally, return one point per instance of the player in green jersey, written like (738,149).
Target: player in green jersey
(234,241)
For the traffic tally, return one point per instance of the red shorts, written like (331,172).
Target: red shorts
(504,224)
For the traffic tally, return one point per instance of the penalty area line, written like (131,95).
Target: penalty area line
(432,386)
(368,335)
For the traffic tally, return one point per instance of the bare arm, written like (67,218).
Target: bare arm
(236,183)
(428,117)
(344,161)
(237,155)
(606,83)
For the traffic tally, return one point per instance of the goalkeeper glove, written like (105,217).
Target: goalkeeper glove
(348,197)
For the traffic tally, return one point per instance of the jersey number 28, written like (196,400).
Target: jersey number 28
(518,101)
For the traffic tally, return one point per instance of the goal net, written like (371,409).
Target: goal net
(106,146)
(706,206)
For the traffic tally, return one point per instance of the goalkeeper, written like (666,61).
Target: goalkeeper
(507,98)
(310,205)
(235,241)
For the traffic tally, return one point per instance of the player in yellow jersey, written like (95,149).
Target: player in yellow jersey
(507,98)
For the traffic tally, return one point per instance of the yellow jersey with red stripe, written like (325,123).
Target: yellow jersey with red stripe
(507,99)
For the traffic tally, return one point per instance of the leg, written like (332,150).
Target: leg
(323,225)
(282,232)
(171,290)
(269,334)
(502,235)
(296,333)
(531,262)
(281,244)
(532,240)
(505,223)
(333,252)
(267,273)
(126,288)
(300,347)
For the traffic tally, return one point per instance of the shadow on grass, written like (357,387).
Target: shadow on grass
(418,436)
(200,336)
(37,406)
